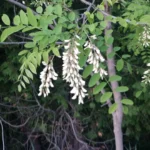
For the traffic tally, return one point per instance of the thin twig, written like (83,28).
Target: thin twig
(25,7)
(74,132)
(12,43)
(106,14)
(15,126)
(2,135)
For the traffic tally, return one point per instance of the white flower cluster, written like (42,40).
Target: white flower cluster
(145,37)
(47,75)
(95,57)
(146,76)
(71,70)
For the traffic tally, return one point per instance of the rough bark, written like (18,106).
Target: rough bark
(118,115)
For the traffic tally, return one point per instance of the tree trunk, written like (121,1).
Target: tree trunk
(118,115)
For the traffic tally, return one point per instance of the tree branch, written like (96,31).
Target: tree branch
(15,126)
(18,4)
(25,7)
(118,114)
(2,135)
(12,43)
(107,14)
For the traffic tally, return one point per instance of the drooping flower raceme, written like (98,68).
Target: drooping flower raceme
(145,37)
(95,57)
(71,70)
(146,76)
(47,75)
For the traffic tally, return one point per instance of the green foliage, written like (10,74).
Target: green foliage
(94,79)
(127,101)
(87,71)
(120,64)
(122,89)
(97,89)
(115,78)
(113,108)
(55,24)
(106,96)
(6,19)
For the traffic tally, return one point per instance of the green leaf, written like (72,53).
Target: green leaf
(29,74)
(122,22)
(26,79)
(101,7)
(58,10)
(45,56)
(32,67)
(23,52)
(103,24)
(115,78)
(58,29)
(23,85)
(38,38)
(99,87)
(120,64)
(39,9)
(110,40)
(70,26)
(10,31)
(99,15)
(38,58)
(6,19)
(87,71)
(29,45)
(122,89)
(113,108)
(127,101)
(125,109)
(31,18)
(94,79)
(138,93)
(91,27)
(28,29)
(33,60)
(110,2)
(56,51)
(72,16)
(106,96)
(145,19)
(116,49)
(23,17)
(82,60)
(16,20)
(129,68)
(111,55)
(49,9)
(126,56)
(19,88)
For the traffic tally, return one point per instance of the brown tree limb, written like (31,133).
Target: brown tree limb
(118,114)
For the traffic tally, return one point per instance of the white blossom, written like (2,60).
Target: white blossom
(146,76)
(145,37)
(47,75)
(95,57)
(71,70)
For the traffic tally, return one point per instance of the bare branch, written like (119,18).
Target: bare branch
(2,135)
(85,2)
(12,43)
(74,132)
(25,7)
(18,4)
(15,126)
